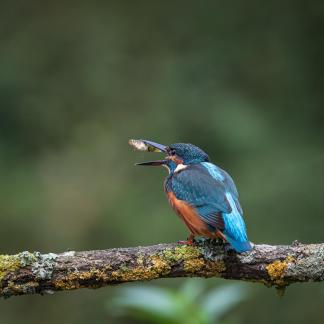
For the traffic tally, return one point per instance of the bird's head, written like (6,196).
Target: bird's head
(186,153)
(176,154)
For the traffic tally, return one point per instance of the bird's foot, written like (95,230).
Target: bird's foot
(185,242)
(189,241)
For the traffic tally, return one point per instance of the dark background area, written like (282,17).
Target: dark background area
(241,79)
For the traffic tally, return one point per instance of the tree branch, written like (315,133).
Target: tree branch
(30,273)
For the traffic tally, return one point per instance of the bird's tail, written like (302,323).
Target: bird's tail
(239,246)
(235,230)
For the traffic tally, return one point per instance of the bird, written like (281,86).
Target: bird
(202,194)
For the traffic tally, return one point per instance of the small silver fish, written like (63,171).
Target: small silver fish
(142,145)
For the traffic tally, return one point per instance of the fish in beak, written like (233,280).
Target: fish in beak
(149,146)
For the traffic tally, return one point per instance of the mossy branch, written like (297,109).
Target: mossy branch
(30,273)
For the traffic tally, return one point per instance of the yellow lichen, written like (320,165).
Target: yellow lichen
(145,268)
(74,279)
(193,265)
(183,252)
(160,266)
(277,269)
(157,268)
(66,284)
(193,261)
(208,269)
(137,273)
(215,268)
(8,263)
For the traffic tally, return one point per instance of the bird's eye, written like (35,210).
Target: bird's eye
(172,152)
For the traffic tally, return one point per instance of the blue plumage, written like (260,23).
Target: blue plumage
(195,186)
(213,170)
(234,226)
(212,192)
(204,195)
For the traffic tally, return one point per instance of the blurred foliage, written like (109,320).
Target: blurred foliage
(242,80)
(191,303)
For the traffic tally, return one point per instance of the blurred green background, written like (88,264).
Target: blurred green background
(241,79)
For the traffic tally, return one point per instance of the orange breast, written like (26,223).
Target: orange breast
(190,217)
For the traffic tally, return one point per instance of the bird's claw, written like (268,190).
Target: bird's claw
(186,242)
(189,241)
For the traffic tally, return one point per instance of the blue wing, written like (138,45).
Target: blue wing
(195,186)
(213,194)
(221,175)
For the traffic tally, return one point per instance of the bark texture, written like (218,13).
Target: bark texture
(279,266)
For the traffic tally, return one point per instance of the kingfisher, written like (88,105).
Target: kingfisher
(202,194)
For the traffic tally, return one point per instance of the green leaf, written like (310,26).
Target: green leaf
(220,300)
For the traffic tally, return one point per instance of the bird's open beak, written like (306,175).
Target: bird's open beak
(149,146)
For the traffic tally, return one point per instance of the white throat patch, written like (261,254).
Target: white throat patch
(180,167)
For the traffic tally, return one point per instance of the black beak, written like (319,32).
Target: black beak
(155,147)
(152,163)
